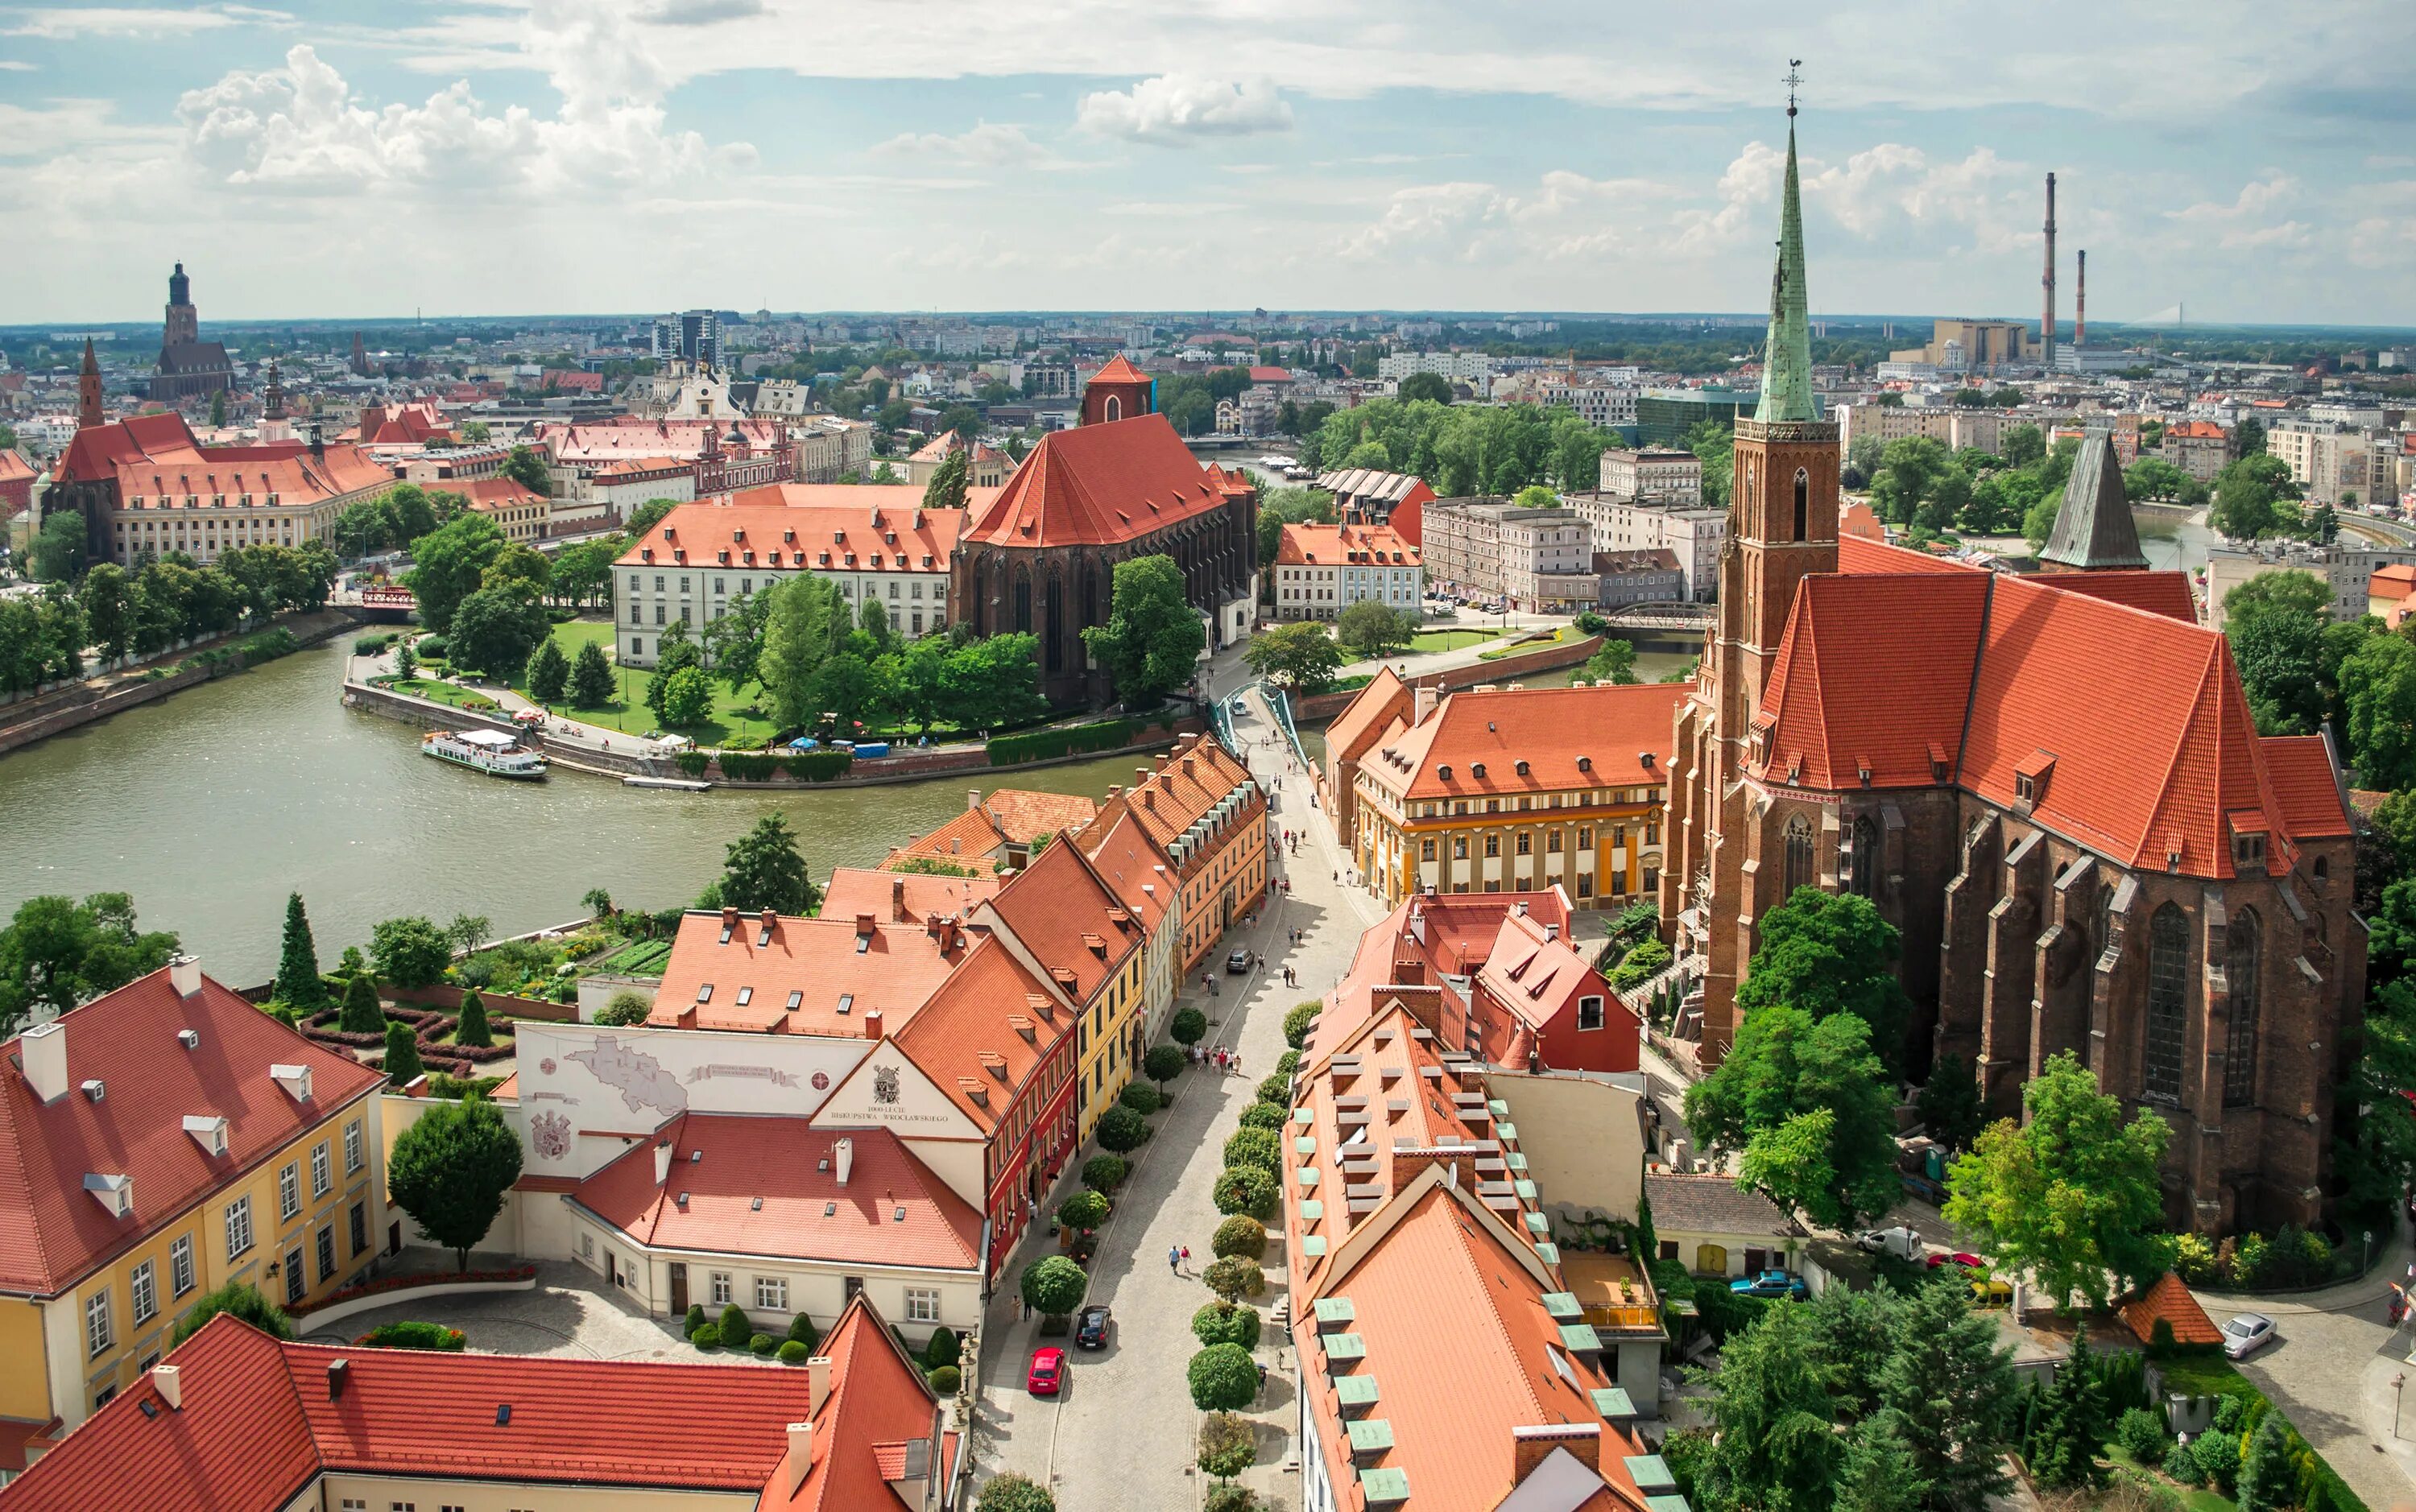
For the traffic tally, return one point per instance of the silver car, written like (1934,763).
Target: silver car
(2246,1333)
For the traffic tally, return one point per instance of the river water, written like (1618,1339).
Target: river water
(212,805)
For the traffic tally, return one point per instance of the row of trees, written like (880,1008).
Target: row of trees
(1461,450)
(147,609)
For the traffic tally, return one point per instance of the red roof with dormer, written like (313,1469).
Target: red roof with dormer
(1099,484)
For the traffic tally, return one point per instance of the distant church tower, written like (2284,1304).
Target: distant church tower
(273,424)
(184,324)
(88,410)
(1782,528)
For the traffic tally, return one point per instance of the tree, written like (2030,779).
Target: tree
(763,869)
(1828,953)
(1152,637)
(1816,1101)
(2071,1194)
(1432,386)
(472,1028)
(1302,655)
(1188,1026)
(450,1171)
(549,671)
(1227,1443)
(643,518)
(2378,1161)
(450,564)
(805,622)
(1012,1492)
(57,952)
(521,569)
(2276,623)
(591,678)
(245,1301)
(733,643)
(106,601)
(525,467)
(2069,1422)
(946,487)
(1053,1286)
(1233,1278)
(2245,494)
(1163,1064)
(1122,1130)
(2268,1481)
(402,1065)
(1713,442)
(1223,1378)
(582,573)
(2377,691)
(406,662)
(625,1009)
(1248,1190)
(1615,664)
(299,986)
(1877,1473)
(494,630)
(1949,1392)
(363,1012)
(59,549)
(1241,1235)
(1774,1450)
(410,951)
(1254,1146)
(1083,1209)
(686,698)
(1949,1103)
(1374,629)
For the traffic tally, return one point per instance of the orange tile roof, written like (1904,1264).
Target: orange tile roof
(1344,545)
(902,897)
(2172,1301)
(1023,816)
(769,1186)
(497,493)
(2308,782)
(969,839)
(608,441)
(155,457)
(1884,689)
(401,425)
(2196,430)
(1119,370)
(890,531)
(53,1231)
(1385,698)
(1533,975)
(1183,788)
(1547,730)
(258,1425)
(2158,592)
(2393,581)
(1856,554)
(13,467)
(1099,484)
(1064,915)
(816,959)
(1436,938)
(982,1013)
(1131,864)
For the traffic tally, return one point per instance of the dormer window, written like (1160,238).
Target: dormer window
(2030,776)
(295,1080)
(2248,842)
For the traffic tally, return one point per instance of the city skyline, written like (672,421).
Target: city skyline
(511,156)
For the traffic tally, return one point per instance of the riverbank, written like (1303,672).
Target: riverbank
(56,710)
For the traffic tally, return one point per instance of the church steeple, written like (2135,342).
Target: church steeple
(88,408)
(1787,355)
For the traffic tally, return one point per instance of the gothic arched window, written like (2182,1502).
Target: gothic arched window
(1115,409)
(1803,503)
(1799,854)
(2244,944)
(2168,1001)
(1867,857)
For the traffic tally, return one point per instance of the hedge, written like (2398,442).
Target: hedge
(691,762)
(817,766)
(412,1335)
(742,767)
(1043,744)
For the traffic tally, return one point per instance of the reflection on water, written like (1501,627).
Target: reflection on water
(212,805)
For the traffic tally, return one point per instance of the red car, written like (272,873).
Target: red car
(1048,1373)
(1964,1258)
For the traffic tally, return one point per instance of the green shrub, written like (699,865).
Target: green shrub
(1105,1173)
(1296,1023)
(1011,1493)
(1264,1116)
(370,645)
(1248,1190)
(707,1338)
(792,1353)
(942,1348)
(2181,1460)
(1188,1026)
(1275,1088)
(1044,744)
(1140,1097)
(817,766)
(1163,1063)
(742,767)
(1053,1286)
(1123,1131)
(2194,1258)
(1223,1378)
(2141,1434)
(946,1380)
(622,1009)
(412,1336)
(1240,1235)
(429,648)
(691,762)
(1254,1146)
(1287,1062)
(1084,1209)
(1233,1278)
(1228,1497)
(694,1321)
(1228,1445)
(802,1331)
(471,1028)
(1227,1322)
(735,1327)
(761,1343)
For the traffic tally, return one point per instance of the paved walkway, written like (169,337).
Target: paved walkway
(1122,1435)
(571,1314)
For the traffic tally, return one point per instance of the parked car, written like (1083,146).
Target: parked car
(2246,1333)
(1237,962)
(1899,1241)
(1090,1326)
(1769,1283)
(1992,1292)
(1964,1258)
(1048,1373)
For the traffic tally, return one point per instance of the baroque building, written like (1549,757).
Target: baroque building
(2051,785)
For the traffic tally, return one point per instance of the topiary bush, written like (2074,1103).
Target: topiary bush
(2141,1434)
(1140,1097)
(735,1329)
(1223,1378)
(1163,1063)
(802,1331)
(1264,1116)
(695,1319)
(1189,1027)
(1248,1189)
(1123,1131)
(946,1380)
(1254,1146)
(1053,1286)
(471,1028)
(942,1348)
(1234,1278)
(706,1338)
(792,1353)
(624,1010)
(1240,1235)
(1287,1062)
(1296,1023)
(1084,1209)
(1275,1090)
(1225,1323)
(1105,1173)
(761,1343)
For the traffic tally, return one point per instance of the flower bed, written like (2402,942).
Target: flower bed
(384,1284)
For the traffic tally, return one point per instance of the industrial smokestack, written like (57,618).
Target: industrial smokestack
(2046,284)
(2080,298)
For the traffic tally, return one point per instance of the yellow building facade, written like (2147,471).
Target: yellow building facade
(1113,1039)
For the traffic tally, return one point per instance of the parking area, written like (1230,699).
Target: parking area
(571,1314)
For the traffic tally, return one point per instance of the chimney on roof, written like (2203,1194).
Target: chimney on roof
(1115,789)
(1149,798)
(972,799)
(1422,703)
(169,1380)
(1531,1446)
(338,1372)
(897,900)
(872,1023)
(863,925)
(1409,972)
(1189,767)
(817,1382)
(185,975)
(842,1159)
(729,918)
(662,1160)
(43,1050)
(801,1454)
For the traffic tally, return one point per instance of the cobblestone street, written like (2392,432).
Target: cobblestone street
(1121,1435)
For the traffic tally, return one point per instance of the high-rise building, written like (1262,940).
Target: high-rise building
(692,335)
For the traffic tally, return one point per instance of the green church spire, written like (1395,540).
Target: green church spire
(1787,356)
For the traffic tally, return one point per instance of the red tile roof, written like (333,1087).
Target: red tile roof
(1131,864)
(403,425)
(1119,370)
(2308,782)
(970,1026)
(52,1231)
(897,972)
(1344,545)
(789,1168)
(1270,375)
(14,468)
(497,493)
(2158,592)
(155,457)
(1858,554)
(1183,788)
(1064,915)
(257,1425)
(1548,730)
(887,532)
(1385,698)
(1873,671)
(2172,1301)
(1098,485)
(902,897)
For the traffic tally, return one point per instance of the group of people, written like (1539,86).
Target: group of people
(1228,1062)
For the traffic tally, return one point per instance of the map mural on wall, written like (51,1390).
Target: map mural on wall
(640,1078)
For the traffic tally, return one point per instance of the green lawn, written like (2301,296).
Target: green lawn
(1499,651)
(1435,640)
(447,693)
(735,719)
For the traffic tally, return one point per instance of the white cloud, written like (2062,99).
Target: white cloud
(1170,210)
(64,24)
(1176,109)
(702,12)
(2254,219)
(987,146)
(15,65)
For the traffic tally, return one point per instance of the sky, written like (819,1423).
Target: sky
(364,158)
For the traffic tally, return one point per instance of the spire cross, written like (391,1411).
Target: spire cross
(1794,77)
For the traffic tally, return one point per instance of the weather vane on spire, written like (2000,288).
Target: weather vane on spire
(1793,78)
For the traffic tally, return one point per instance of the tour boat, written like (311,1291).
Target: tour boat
(491,752)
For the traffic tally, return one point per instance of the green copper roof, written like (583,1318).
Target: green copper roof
(1787,356)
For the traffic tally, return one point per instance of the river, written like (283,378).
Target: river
(210,805)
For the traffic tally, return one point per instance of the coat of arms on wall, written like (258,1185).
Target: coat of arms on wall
(885,1083)
(551,1134)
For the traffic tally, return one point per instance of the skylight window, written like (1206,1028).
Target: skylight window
(704,994)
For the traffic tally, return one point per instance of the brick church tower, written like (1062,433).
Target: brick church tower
(1119,391)
(88,406)
(1782,528)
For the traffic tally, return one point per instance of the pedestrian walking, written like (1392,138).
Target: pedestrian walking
(1174,1259)
(1187,1254)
